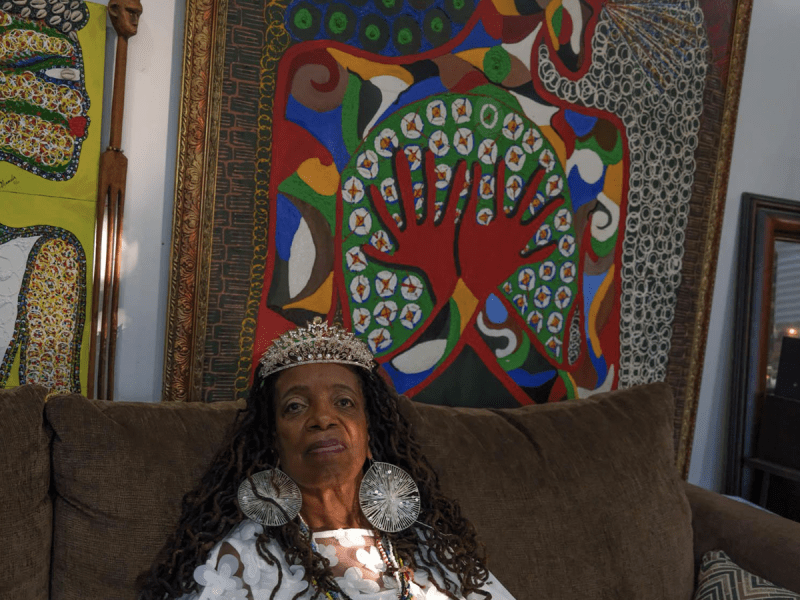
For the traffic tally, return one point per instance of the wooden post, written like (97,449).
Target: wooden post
(110,208)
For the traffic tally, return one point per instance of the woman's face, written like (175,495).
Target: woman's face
(321,425)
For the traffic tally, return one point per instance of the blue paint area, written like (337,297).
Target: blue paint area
(599,365)
(477,38)
(287,221)
(495,310)
(405,381)
(524,379)
(370,8)
(581,191)
(581,124)
(326,127)
(418,91)
(592,283)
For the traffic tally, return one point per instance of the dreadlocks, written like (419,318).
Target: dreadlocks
(211,510)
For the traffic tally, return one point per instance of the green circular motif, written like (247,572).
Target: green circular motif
(373,32)
(405,36)
(389,3)
(303,19)
(338,22)
(497,64)
(458,4)
(437,25)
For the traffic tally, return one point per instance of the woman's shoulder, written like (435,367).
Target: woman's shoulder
(235,564)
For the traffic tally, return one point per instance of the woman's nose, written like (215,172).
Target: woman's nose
(322,416)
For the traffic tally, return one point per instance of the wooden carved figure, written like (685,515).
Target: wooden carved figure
(124,16)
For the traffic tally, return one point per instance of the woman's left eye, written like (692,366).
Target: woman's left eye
(293,407)
(346,402)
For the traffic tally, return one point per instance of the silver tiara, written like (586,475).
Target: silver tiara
(317,342)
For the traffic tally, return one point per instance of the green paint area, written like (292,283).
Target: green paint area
(350,104)
(497,64)
(499,94)
(372,32)
(437,25)
(296,187)
(25,108)
(454,329)
(338,22)
(609,157)
(303,19)
(558,19)
(604,248)
(405,36)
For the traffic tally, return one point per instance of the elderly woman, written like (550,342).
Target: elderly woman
(321,492)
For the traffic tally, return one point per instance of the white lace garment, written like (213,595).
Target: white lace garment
(355,561)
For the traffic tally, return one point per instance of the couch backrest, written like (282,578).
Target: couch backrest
(120,471)
(26,510)
(573,500)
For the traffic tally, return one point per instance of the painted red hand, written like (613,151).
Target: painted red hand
(425,243)
(487,254)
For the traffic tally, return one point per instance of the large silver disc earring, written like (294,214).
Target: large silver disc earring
(284,498)
(389,497)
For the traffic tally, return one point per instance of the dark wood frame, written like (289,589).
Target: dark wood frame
(763,221)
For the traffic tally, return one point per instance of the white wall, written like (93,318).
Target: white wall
(149,139)
(766,160)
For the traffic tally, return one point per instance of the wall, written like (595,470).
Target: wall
(764,160)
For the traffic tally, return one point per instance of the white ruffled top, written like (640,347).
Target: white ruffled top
(355,561)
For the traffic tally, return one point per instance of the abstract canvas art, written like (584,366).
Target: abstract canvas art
(501,197)
(51,81)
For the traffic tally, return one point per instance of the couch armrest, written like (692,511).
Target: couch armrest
(760,542)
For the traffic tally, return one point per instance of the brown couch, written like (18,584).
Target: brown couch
(578,500)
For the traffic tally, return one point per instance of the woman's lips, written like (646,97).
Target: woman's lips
(326,447)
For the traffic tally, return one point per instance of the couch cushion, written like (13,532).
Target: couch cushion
(579,499)
(26,511)
(121,470)
(720,577)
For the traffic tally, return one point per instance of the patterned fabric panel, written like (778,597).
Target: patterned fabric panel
(722,579)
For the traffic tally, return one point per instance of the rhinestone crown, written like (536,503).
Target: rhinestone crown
(317,342)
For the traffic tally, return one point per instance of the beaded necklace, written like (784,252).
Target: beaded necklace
(402,574)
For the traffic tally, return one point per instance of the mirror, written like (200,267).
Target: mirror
(785,307)
(767,311)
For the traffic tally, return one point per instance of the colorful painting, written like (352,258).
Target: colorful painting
(51,83)
(465,208)
(510,201)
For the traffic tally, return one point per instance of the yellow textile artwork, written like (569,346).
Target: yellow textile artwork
(51,101)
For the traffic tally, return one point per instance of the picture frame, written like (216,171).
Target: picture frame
(763,221)
(211,330)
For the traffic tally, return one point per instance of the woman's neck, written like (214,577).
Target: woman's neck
(327,509)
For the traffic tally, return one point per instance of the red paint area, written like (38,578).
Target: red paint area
(77,126)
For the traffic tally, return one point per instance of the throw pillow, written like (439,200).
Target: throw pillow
(720,577)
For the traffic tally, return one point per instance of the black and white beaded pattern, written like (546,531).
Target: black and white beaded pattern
(660,109)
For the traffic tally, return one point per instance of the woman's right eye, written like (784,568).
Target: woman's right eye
(292,407)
